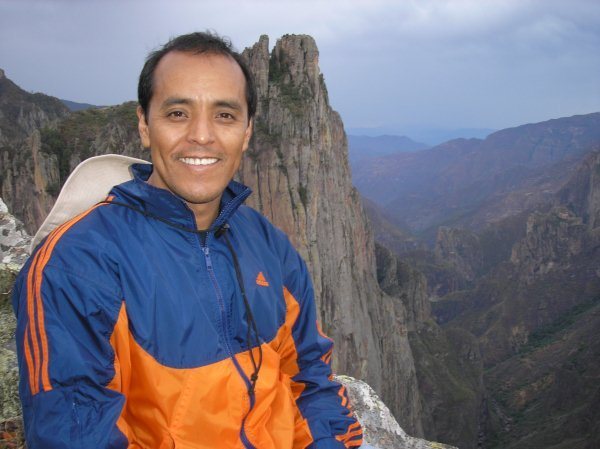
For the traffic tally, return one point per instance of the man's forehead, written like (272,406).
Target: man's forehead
(182,62)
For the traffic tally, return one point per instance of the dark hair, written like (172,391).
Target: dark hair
(196,43)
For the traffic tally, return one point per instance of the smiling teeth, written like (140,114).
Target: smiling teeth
(198,160)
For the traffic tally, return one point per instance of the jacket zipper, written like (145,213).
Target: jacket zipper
(224,330)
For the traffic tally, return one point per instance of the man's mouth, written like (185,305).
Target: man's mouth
(198,160)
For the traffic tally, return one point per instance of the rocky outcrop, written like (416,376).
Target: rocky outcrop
(380,429)
(31,181)
(582,193)
(448,361)
(297,165)
(399,280)
(35,172)
(14,240)
(14,246)
(552,239)
(458,259)
(25,172)
(459,248)
(21,112)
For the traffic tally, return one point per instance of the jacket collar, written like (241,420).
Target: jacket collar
(167,205)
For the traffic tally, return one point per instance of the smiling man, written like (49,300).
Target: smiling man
(170,315)
(197,125)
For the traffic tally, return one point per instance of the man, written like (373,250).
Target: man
(170,315)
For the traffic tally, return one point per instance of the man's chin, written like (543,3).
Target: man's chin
(201,199)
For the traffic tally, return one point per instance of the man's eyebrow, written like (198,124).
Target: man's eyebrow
(231,104)
(171,101)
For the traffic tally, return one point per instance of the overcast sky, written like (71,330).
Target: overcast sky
(441,63)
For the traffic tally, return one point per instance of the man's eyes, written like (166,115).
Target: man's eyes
(222,116)
(176,114)
(226,116)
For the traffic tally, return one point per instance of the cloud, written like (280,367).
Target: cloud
(458,62)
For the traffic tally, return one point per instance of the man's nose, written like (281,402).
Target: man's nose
(201,130)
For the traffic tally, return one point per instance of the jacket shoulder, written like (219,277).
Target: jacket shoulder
(256,223)
(84,246)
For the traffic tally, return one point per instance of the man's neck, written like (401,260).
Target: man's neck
(205,214)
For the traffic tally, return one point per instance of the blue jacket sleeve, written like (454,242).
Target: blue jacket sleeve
(64,323)
(323,402)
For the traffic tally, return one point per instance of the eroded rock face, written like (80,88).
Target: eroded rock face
(298,169)
(34,169)
(400,280)
(14,240)
(22,112)
(297,166)
(31,181)
(14,245)
(552,239)
(582,192)
(447,361)
(380,429)
(460,248)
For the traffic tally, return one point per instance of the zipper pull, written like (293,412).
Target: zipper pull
(206,252)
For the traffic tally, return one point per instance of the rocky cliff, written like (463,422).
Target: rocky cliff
(22,112)
(35,168)
(297,165)
(582,193)
(448,362)
(25,172)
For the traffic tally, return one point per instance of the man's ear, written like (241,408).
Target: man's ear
(143,128)
(248,134)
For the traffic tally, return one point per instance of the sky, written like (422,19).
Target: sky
(388,65)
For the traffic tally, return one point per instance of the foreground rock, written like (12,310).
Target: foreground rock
(380,428)
(14,244)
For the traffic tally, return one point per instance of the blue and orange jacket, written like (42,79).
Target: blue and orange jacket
(137,331)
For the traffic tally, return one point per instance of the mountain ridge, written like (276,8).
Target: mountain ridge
(449,183)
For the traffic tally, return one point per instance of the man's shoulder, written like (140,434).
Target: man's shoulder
(78,252)
(82,242)
(91,227)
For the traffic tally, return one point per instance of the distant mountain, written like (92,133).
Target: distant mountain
(366,147)
(513,282)
(517,308)
(389,232)
(22,112)
(431,136)
(535,311)
(471,183)
(74,106)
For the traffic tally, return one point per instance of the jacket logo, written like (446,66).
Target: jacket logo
(260,280)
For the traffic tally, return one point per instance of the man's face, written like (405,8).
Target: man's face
(197,126)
